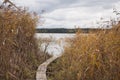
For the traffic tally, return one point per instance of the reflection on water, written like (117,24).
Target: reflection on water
(56,47)
(54,35)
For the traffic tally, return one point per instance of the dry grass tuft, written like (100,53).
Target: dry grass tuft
(19,54)
(90,57)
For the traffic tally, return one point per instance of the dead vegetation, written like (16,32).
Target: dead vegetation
(19,53)
(90,57)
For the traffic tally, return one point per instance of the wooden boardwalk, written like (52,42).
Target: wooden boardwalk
(41,72)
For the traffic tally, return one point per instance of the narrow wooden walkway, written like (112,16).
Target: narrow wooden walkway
(41,72)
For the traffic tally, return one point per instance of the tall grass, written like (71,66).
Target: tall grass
(19,53)
(89,57)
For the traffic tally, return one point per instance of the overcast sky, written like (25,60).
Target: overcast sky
(68,13)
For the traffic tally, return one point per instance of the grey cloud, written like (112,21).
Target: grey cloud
(56,18)
(50,6)
(87,7)
(95,3)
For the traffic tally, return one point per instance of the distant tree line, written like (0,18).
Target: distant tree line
(65,30)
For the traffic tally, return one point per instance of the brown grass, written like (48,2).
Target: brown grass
(90,57)
(19,54)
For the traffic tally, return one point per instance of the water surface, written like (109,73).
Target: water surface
(56,47)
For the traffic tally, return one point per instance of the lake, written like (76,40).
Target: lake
(56,47)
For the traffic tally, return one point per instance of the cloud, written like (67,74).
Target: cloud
(68,13)
(81,16)
(50,5)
